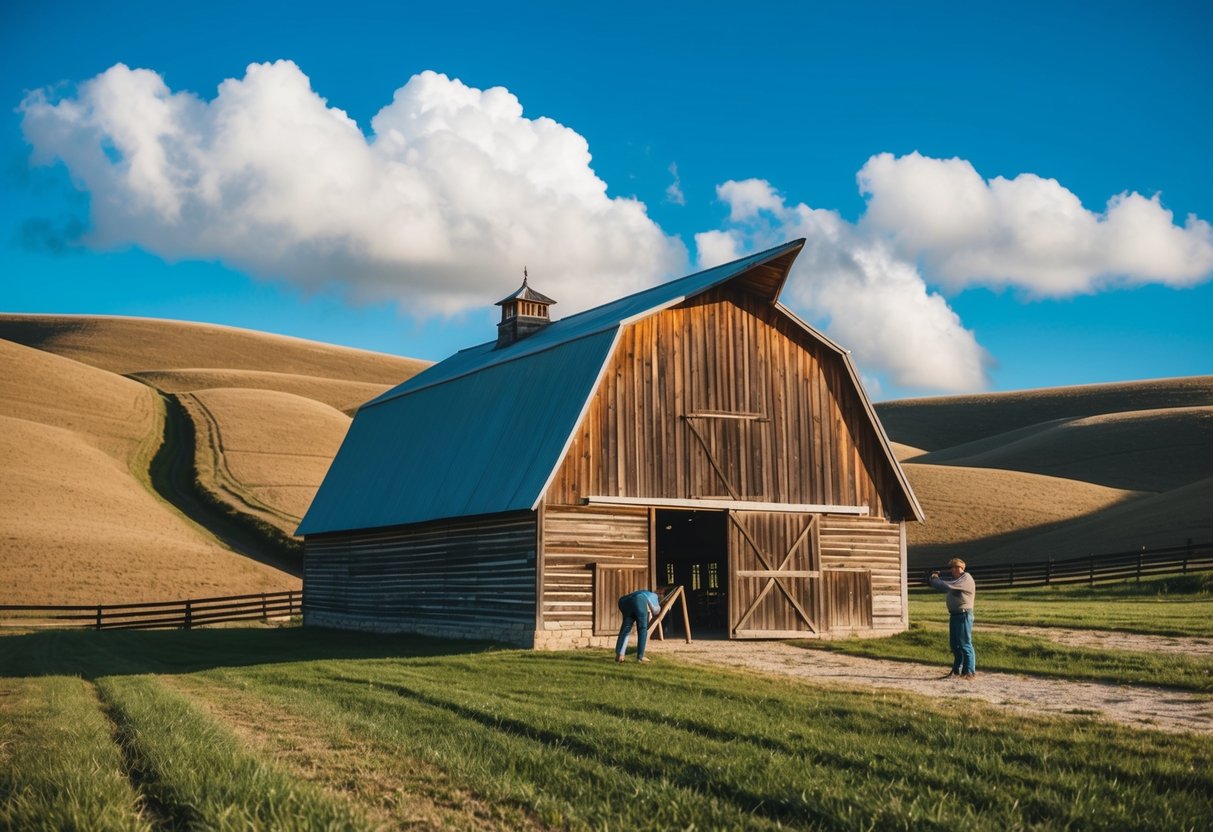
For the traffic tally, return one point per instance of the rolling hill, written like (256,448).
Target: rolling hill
(98,413)
(1093,469)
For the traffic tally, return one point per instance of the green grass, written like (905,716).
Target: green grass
(59,765)
(928,642)
(1177,606)
(332,729)
(197,775)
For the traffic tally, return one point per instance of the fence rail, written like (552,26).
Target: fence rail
(190,613)
(1093,569)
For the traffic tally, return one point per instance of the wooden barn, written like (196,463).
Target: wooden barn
(697,434)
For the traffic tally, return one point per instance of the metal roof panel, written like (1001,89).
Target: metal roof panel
(482,446)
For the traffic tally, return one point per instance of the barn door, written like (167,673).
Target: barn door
(774,566)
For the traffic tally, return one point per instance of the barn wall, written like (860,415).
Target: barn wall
(467,578)
(574,540)
(874,545)
(726,351)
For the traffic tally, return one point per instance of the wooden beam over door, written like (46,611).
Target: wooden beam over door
(726,505)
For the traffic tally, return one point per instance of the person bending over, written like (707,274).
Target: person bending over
(636,608)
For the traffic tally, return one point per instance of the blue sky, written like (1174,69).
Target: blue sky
(951,164)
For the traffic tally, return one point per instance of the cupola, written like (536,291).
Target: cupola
(522,313)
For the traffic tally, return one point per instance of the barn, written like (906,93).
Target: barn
(696,434)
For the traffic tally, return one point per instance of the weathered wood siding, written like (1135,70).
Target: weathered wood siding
(723,397)
(654,427)
(467,578)
(772,556)
(575,538)
(875,545)
(610,584)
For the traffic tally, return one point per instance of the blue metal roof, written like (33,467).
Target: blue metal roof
(483,445)
(482,431)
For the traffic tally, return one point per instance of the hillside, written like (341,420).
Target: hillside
(947,421)
(264,452)
(83,406)
(1145,450)
(79,524)
(1060,472)
(975,504)
(133,345)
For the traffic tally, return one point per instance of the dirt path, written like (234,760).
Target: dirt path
(173,475)
(1135,706)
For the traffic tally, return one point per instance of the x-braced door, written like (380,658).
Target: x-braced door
(774,567)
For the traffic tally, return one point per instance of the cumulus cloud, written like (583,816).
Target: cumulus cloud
(1027,232)
(437,207)
(867,298)
(936,224)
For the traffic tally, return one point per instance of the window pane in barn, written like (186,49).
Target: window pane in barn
(695,576)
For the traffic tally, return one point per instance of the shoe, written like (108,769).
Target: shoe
(643,661)
(951,675)
(619,660)
(968,677)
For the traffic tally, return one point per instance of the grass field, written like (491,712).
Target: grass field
(240,728)
(1176,606)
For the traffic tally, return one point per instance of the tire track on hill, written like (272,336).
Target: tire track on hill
(174,477)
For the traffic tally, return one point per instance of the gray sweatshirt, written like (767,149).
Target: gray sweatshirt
(960,591)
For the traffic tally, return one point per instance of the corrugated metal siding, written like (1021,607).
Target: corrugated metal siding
(470,578)
(482,446)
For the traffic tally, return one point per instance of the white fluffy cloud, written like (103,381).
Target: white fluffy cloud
(869,300)
(1026,232)
(439,209)
(937,223)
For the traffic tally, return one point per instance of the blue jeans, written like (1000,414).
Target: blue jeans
(635,611)
(960,636)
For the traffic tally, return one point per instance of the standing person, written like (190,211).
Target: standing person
(960,589)
(636,608)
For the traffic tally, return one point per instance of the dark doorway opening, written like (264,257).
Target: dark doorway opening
(693,551)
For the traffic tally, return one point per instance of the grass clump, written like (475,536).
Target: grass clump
(59,765)
(197,775)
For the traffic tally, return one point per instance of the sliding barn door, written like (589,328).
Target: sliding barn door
(774,570)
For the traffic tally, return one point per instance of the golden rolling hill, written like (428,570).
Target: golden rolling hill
(1091,469)
(87,402)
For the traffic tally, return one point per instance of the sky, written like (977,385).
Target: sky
(993,196)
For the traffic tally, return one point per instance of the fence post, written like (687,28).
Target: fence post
(1011,581)
(1092,582)
(1048,571)
(264,615)
(189,614)
(1187,554)
(98,616)
(1139,556)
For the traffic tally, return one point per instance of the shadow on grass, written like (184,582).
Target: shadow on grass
(94,654)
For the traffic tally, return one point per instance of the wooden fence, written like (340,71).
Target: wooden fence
(1093,569)
(193,612)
